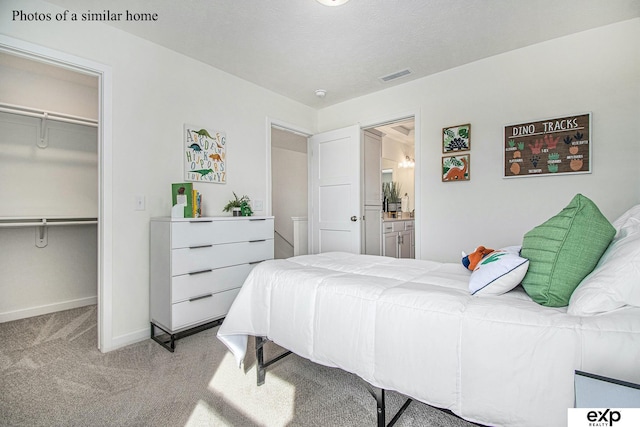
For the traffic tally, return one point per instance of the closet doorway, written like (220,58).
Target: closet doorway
(50,195)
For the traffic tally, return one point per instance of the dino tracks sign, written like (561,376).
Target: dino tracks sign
(548,147)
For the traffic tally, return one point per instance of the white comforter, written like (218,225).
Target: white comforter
(413,327)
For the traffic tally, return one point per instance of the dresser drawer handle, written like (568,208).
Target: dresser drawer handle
(200,247)
(198,222)
(200,272)
(257,219)
(202,297)
(257,241)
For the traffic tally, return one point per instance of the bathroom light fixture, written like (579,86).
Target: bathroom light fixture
(407,163)
(320,93)
(332,2)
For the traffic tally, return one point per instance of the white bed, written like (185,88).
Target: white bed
(412,326)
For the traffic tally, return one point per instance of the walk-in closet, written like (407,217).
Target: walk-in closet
(48,187)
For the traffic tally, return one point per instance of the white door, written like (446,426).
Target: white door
(335,191)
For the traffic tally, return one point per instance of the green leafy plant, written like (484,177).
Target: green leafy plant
(245,209)
(238,202)
(391,191)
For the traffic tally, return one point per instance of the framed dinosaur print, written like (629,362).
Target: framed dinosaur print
(548,147)
(456,138)
(205,152)
(456,168)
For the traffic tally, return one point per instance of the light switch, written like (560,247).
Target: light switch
(258,205)
(139,204)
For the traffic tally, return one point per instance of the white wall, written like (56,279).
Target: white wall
(594,71)
(43,86)
(156,91)
(60,276)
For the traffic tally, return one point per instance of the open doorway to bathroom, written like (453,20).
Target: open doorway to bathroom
(388,187)
(398,160)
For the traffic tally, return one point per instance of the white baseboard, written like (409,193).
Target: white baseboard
(128,339)
(46,309)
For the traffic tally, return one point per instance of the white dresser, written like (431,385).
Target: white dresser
(197,267)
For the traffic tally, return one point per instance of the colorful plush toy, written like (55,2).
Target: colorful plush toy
(470,261)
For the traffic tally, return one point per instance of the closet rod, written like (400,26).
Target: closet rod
(60,117)
(44,222)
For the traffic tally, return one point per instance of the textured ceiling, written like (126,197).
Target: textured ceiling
(294,47)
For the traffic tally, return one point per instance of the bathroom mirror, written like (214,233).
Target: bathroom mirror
(387,175)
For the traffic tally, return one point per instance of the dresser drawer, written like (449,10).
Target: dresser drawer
(197,233)
(201,310)
(387,227)
(192,285)
(194,260)
(408,225)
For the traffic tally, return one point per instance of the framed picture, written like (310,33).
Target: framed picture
(456,138)
(205,154)
(456,168)
(556,146)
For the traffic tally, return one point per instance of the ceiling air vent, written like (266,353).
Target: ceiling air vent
(395,75)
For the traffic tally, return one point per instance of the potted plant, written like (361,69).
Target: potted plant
(239,206)
(245,207)
(392,194)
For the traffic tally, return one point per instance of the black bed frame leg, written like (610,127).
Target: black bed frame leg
(378,394)
(260,368)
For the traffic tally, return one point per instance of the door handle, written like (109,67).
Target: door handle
(354,218)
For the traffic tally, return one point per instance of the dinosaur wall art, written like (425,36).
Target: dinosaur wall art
(455,168)
(205,155)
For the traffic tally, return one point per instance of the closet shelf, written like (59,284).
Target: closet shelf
(44,222)
(46,115)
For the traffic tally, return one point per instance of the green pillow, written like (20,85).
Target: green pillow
(563,250)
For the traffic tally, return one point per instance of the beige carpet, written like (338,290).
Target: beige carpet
(52,374)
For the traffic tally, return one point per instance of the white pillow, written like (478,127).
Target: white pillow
(615,281)
(498,272)
(628,218)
